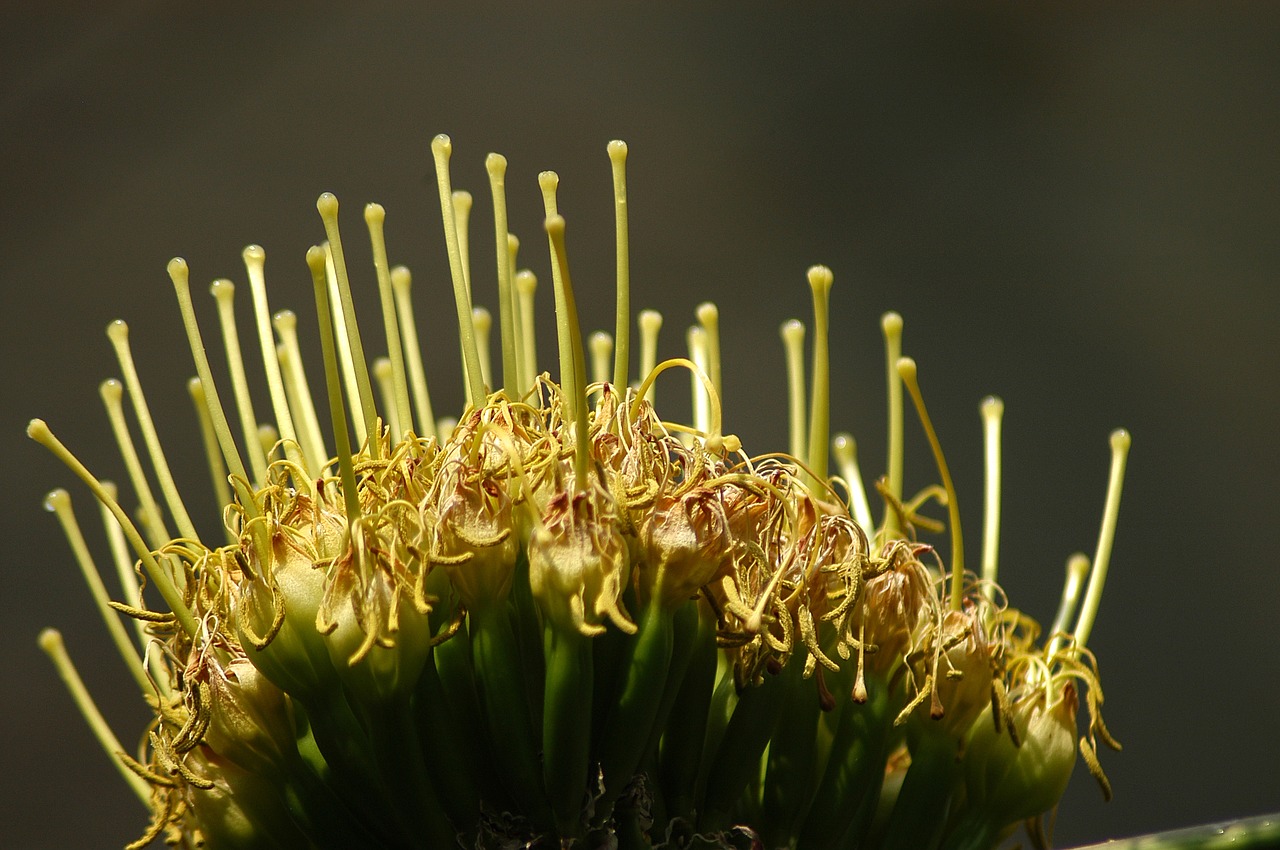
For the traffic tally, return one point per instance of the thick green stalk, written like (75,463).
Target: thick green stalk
(790,779)
(1243,834)
(566,724)
(448,749)
(686,729)
(920,812)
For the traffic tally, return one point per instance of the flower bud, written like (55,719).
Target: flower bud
(685,543)
(250,721)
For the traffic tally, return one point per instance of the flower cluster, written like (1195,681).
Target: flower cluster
(561,620)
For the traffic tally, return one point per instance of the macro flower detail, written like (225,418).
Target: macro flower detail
(561,620)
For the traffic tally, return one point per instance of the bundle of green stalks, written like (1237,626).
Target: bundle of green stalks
(561,620)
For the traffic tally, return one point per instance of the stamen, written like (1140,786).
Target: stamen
(820,279)
(601,347)
(792,332)
(907,371)
(1120,442)
(316,257)
(846,452)
(462,221)
(716,440)
(254,263)
(397,404)
(517,318)
(401,282)
(387,389)
(496,164)
(696,341)
(992,410)
(58,502)
(622,327)
(649,322)
(118,333)
(573,376)
(51,642)
(327,205)
(526,286)
(441,148)
(223,292)
(1077,569)
(217,469)
(482,321)
(269,440)
(178,274)
(346,360)
(299,391)
(891,325)
(112,398)
(445,427)
(39,431)
(709,317)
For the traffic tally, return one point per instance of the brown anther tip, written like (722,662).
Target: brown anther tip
(774,666)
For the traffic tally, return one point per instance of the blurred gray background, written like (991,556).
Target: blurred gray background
(1073,205)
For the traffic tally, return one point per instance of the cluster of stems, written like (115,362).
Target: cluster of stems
(561,620)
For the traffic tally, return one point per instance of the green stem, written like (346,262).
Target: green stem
(920,812)
(790,780)
(1241,834)
(566,725)
(446,746)
(686,730)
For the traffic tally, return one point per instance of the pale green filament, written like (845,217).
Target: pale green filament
(891,325)
(316,257)
(992,410)
(792,332)
(39,431)
(517,320)
(223,292)
(445,427)
(709,317)
(327,205)
(346,361)
(441,148)
(1120,442)
(178,274)
(482,321)
(51,643)
(462,222)
(650,323)
(401,283)
(269,439)
(696,341)
(387,389)
(397,404)
(600,344)
(526,288)
(716,439)
(118,333)
(1077,570)
(573,373)
(496,164)
(907,370)
(112,398)
(622,327)
(820,279)
(217,469)
(299,391)
(846,453)
(58,502)
(254,263)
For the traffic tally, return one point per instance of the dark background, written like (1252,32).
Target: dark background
(1073,205)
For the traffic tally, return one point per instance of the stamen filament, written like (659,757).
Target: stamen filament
(179,275)
(846,452)
(482,321)
(398,403)
(709,317)
(696,342)
(907,370)
(51,642)
(573,377)
(601,346)
(316,260)
(401,282)
(441,148)
(650,323)
(622,327)
(327,205)
(217,469)
(517,318)
(792,332)
(462,201)
(891,325)
(299,391)
(58,502)
(820,279)
(254,264)
(118,333)
(387,389)
(223,292)
(496,164)
(39,431)
(1077,569)
(526,287)
(716,440)
(112,398)
(1120,442)
(992,410)
(346,357)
